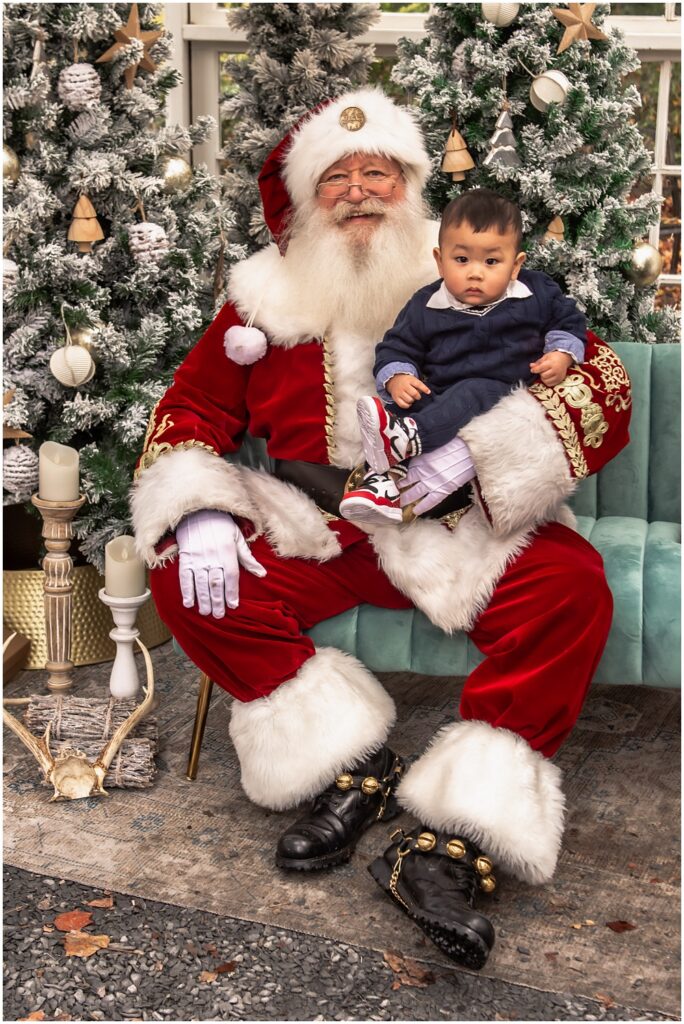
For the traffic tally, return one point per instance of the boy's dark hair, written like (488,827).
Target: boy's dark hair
(483,209)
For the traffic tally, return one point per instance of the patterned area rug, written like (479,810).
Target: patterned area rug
(203,845)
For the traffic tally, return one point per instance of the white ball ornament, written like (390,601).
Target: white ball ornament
(72,366)
(79,86)
(244,345)
(547,88)
(20,470)
(10,272)
(500,14)
(147,241)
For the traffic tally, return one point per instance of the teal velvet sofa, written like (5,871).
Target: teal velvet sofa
(630,512)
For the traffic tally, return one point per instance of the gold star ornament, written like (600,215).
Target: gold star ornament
(578,24)
(125,37)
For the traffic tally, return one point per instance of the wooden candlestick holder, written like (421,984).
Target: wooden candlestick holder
(57,565)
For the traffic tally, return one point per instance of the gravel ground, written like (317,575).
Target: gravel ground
(153,966)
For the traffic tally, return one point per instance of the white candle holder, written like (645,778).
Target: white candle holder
(124,681)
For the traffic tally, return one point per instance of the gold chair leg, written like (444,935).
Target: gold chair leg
(203,698)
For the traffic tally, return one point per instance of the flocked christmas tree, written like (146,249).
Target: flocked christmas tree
(112,244)
(542,108)
(297,56)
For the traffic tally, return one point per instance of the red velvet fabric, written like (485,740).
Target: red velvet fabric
(543,631)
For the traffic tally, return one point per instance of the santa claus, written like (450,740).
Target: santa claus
(244,560)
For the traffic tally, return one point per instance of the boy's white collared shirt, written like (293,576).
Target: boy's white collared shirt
(443,299)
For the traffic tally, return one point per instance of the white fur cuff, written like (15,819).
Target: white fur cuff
(178,483)
(489,785)
(293,743)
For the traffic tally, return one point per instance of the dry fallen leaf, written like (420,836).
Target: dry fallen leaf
(620,926)
(208,976)
(106,902)
(655,880)
(551,956)
(226,968)
(36,1015)
(73,921)
(48,928)
(408,972)
(606,1001)
(211,948)
(84,944)
(590,923)
(45,903)
(577,926)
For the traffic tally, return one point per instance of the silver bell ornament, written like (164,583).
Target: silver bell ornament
(10,165)
(549,87)
(147,241)
(500,14)
(79,86)
(646,265)
(20,470)
(176,172)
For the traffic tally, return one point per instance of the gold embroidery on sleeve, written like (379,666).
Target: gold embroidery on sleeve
(557,412)
(329,403)
(152,449)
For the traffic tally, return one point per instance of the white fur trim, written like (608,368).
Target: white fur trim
(293,743)
(244,345)
(449,574)
(389,130)
(289,312)
(291,521)
(491,786)
(178,483)
(521,464)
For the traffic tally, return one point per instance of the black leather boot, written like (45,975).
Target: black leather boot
(339,816)
(434,876)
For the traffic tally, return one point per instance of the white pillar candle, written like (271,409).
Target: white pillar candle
(124,571)
(57,472)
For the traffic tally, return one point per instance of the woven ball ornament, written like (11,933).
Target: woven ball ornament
(244,345)
(500,14)
(72,366)
(646,265)
(79,86)
(547,88)
(10,272)
(147,242)
(20,470)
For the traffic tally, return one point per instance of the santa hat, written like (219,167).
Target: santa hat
(365,121)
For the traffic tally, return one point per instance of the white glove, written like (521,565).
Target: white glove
(434,475)
(211,550)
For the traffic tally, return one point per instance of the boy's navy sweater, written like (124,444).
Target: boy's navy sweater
(448,345)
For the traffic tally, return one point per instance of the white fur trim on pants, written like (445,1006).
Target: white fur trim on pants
(492,787)
(293,743)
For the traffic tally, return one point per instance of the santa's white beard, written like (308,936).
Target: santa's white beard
(357,278)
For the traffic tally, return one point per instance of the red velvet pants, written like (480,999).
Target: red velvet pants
(543,631)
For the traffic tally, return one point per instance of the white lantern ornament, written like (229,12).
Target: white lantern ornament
(549,87)
(500,14)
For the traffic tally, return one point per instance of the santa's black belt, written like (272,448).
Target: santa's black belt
(326,485)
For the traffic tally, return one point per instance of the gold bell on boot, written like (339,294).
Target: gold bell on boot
(344,782)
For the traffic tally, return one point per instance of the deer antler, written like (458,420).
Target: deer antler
(110,751)
(40,748)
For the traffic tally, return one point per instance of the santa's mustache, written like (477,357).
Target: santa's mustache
(343,211)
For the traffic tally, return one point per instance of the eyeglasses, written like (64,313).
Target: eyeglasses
(371,185)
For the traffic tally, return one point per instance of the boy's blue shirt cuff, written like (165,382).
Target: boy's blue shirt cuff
(563,341)
(388,371)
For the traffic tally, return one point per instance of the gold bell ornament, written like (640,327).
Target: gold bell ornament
(85,228)
(10,165)
(176,173)
(646,265)
(71,364)
(555,232)
(457,160)
(500,14)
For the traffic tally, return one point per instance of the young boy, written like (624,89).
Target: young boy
(459,345)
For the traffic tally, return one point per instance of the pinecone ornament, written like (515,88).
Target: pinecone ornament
(79,86)
(147,242)
(20,470)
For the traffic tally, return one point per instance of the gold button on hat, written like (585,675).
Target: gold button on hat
(352,118)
